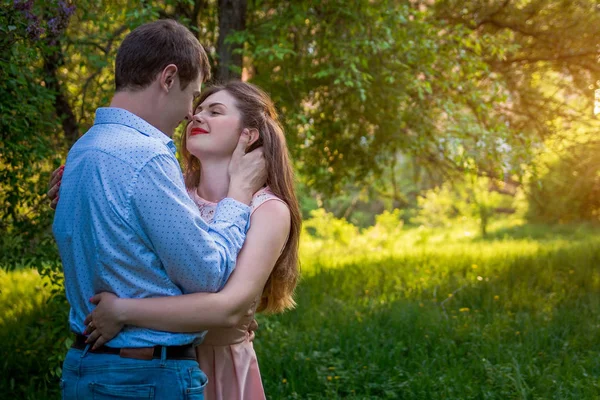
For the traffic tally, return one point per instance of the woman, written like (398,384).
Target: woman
(267,266)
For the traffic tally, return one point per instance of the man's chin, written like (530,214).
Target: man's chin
(170,132)
(184,121)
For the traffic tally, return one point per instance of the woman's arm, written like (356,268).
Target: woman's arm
(269,228)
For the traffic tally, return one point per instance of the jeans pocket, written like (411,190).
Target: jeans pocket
(101,391)
(197,383)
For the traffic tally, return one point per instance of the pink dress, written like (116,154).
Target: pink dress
(226,355)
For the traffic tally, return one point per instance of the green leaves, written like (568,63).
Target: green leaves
(372,79)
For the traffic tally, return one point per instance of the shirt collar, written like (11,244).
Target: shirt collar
(112,115)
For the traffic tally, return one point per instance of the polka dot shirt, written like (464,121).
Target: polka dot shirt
(125,224)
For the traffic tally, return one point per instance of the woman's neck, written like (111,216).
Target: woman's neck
(214,180)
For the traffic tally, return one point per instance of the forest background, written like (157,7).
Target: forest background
(429,138)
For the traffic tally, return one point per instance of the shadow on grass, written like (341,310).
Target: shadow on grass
(527,329)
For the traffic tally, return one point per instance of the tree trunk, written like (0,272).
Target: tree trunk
(52,62)
(232,17)
(484,219)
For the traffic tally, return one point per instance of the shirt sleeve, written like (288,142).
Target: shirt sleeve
(197,257)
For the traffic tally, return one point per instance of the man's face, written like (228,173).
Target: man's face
(180,102)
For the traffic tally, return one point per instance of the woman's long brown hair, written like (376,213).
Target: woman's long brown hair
(258,112)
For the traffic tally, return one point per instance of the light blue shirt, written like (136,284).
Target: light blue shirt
(125,224)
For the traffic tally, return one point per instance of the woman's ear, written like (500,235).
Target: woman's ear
(254,141)
(254,136)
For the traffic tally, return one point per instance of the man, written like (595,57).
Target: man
(125,224)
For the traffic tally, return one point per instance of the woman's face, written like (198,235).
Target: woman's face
(216,127)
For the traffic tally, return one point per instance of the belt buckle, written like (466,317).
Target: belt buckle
(138,353)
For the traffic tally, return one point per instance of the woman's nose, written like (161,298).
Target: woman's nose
(196,117)
(192,117)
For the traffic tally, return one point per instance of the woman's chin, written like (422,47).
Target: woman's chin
(205,154)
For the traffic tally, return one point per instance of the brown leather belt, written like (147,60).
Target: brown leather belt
(185,352)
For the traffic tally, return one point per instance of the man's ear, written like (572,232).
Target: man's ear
(168,77)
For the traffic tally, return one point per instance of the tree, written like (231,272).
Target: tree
(568,188)
(472,198)
(28,102)
(551,68)
(232,18)
(359,82)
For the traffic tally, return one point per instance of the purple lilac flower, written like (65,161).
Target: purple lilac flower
(65,9)
(54,25)
(34,31)
(23,5)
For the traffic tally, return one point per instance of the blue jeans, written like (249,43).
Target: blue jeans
(108,376)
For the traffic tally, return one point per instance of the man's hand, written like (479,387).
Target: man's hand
(54,185)
(247,171)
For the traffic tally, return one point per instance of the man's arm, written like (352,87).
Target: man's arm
(197,257)
(164,200)
(199,311)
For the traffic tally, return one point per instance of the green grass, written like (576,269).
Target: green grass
(421,314)
(496,319)
(33,333)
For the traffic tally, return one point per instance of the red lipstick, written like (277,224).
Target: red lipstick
(198,131)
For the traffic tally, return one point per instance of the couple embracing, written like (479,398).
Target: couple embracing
(154,258)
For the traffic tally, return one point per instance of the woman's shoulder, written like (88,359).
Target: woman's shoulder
(263,196)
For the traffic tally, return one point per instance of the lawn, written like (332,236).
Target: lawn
(411,314)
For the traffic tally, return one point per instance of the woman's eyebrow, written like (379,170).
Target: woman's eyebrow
(199,108)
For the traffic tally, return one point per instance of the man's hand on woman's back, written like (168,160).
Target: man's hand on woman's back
(54,185)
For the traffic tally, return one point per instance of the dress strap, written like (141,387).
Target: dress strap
(261,197)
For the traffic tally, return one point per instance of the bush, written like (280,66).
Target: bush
(31,143)
(34,334)
(474,199)
(569,188)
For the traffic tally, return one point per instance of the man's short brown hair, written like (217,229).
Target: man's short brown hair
(149,48)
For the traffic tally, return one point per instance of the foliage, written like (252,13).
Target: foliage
(357,83)
(472,198)
(324,226)
(388,105)
(569,188)
(551,69)
(382,100)
(28,124)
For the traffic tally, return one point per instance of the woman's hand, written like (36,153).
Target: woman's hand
(54,185)
(252,330)
(106,321)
